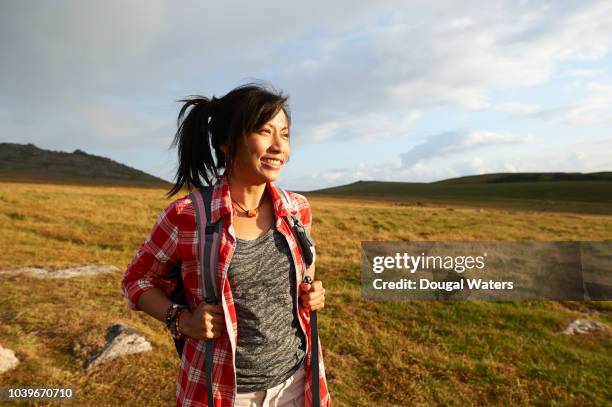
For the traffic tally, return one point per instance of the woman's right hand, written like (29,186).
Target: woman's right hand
(205,322)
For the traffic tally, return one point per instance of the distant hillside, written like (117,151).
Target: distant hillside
(26,162)
(503,177)
(574,192)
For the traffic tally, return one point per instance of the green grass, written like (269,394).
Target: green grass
(376,353)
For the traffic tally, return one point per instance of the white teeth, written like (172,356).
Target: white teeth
(272,161)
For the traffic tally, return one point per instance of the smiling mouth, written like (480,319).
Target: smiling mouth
(272,162)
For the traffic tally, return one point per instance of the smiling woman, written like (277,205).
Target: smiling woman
(235,147)
(211,135)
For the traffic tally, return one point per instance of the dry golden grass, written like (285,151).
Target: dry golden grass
(394,353)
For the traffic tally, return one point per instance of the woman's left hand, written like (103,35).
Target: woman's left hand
(313,295)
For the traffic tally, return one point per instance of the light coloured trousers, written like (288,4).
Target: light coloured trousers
(290,393)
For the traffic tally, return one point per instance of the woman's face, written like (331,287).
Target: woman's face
(263,154)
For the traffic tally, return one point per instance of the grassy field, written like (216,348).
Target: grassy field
(376,354)
(587,196)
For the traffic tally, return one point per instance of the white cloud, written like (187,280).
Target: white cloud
(517,108)
(417,63)
(461,23)
(365,128)
(460,142)
(595,109)
(520,49)
(343,62)
(585,73)
(116,127)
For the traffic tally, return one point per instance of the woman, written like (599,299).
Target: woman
(239,143)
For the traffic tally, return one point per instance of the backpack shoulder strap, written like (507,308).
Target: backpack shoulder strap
(288,204)
(285,197)
(209,241)
(299,231)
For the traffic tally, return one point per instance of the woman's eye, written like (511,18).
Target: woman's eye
(268,131)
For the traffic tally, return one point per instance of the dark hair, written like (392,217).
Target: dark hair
(216,121)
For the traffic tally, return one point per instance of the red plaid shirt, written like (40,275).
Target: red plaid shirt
(174,238)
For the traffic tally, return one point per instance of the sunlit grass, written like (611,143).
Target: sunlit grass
(393,353)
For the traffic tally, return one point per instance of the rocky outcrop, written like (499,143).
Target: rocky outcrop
(8,360)
(583,326)
(121,340)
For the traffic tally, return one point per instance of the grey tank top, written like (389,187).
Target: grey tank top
(271,345)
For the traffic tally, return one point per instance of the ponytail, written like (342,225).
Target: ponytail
(194,148)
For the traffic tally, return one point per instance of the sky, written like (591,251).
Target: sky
(414,91)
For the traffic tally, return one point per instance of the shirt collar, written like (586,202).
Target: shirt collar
(221,204)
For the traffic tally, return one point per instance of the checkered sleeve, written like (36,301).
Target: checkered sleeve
(154,259)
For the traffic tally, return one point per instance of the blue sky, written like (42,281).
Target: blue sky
(401,91)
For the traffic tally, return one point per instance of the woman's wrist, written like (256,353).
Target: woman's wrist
(172,319)
(184,322)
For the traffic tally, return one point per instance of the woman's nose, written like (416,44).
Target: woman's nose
(278,144)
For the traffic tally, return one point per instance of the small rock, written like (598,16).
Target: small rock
(8,360)
(583,326)
(90,270)
(121,340)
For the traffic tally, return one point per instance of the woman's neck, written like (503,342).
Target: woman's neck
(247,195)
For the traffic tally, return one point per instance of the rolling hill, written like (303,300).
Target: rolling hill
(28,163)
(505,177)
(574,192)
(557,191)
